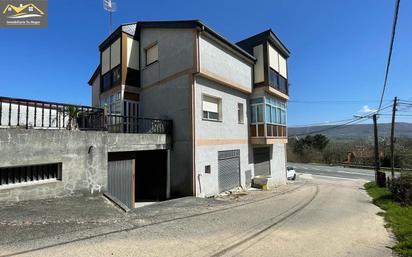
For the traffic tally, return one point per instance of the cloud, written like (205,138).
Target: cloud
(366,110)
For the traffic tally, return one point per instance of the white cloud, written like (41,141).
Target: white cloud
(366,110)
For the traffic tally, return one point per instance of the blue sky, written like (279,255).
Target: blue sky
(338,48)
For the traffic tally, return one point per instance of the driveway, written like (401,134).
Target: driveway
(314,216)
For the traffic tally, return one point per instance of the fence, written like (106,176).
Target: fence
(132,124)
(24,113)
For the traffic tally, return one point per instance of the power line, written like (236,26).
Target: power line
(395,21)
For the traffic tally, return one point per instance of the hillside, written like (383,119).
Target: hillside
(355,131)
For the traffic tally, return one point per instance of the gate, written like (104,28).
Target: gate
(261,158)
(229,169)
(121,181)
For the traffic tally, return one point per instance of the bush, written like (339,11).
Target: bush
(401,188)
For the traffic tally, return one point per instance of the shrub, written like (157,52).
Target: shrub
(401,188)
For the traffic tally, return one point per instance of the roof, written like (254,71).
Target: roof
(268,35)
(128,28)
(94,76)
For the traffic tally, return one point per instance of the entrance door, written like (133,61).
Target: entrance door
(131,113)
(121,181)
(229,169)
(261,157)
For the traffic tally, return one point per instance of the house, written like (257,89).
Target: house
(228,102)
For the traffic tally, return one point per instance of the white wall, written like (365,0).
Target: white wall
(221,62)
(278,164)
(227,130)
(132,53)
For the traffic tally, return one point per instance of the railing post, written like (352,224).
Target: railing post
(9,112)
(42,115)
(18,114)
(27,115)
(35,115)
(1,110)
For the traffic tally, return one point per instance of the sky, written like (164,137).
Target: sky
(338,49)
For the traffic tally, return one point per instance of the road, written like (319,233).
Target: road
(314,216)
(334,171)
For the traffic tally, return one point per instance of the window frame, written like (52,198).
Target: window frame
(219,106)
(240,113)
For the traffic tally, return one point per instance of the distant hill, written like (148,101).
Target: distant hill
(355,131)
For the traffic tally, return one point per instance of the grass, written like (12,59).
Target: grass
(398,217)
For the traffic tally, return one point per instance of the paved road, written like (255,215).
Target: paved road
(334,171)
(314,216)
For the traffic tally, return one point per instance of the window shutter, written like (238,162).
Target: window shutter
(210,104)
(273,59)
(152,54)
(282,67)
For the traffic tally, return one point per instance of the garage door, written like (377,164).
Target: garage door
(121,181)
(229,169)
(261,157)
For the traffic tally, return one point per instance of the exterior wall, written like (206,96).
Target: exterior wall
(214,136)
(83,156)
(278,164)
(132,53)
(176,53)
(166,94)
(96,92)
(219,62)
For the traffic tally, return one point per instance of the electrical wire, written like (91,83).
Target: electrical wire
(395,21)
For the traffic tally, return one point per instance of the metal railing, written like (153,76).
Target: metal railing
(33,114)
(131,124)
(24,113)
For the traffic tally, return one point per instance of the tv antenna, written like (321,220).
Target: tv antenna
(111,7)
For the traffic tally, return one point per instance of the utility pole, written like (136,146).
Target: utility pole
(392,137)
(378,176)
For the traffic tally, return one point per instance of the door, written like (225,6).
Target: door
(229,169)
(131,113)
(121,181)
(261,157)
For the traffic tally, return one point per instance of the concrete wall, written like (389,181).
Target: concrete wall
(278,164)
(168,97)
(215,59)
(83,156)
(214,136)
(176,50)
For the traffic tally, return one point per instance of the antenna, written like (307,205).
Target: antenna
(111,7)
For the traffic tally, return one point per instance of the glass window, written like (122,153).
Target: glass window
(253,113)
(259,113)
(256,100)
(211,107)
(268,115)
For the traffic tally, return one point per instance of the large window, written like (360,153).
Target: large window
(112,103)
(275,111)
(152,54)
(211,107)
(240,113)
(26,174)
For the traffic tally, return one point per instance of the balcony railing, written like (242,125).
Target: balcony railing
(32,114)
(24,113)
(132,124)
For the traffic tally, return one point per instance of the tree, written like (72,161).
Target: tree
(319,142)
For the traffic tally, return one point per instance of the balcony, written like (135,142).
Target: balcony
(33,114)
(268,120)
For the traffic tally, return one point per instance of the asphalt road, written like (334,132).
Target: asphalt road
(313,216)
(334,171)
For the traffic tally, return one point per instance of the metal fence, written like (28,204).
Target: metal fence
(132,124)
(24,113)
(33,114)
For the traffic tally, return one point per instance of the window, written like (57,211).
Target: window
(275,111)
(256,110)
(112,103)
(32,173)
(240,113)
(211,108)
(152,54)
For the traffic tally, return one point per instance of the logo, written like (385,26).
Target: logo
(23,13)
